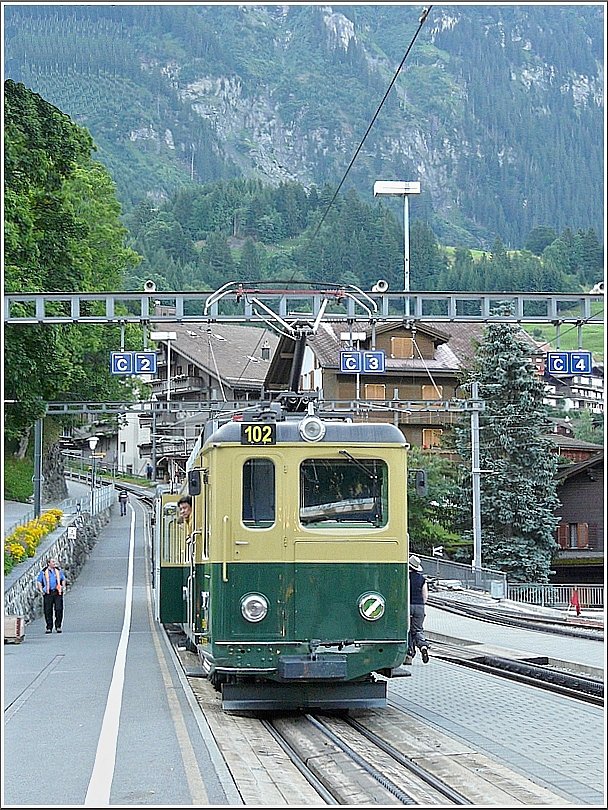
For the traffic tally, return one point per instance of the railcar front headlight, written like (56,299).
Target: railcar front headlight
(372,606)
(254,607)
(312,429)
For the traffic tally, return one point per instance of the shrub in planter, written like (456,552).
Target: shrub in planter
(23,541)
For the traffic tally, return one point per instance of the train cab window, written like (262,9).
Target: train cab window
(259,496)
(345,493)
(171,551)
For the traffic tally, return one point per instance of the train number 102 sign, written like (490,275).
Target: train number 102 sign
(257,434)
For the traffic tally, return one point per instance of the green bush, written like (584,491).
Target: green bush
(18,485)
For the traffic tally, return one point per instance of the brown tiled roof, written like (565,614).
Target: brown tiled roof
(456,342)
(573,469)
(570,443)
(229,352)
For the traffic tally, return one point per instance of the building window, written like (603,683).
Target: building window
(578,535)
(123,447)
(431,437)
(402,347)
(432,392)
(375,391)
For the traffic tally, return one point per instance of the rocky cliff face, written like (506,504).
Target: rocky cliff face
(54,487)
(490,100)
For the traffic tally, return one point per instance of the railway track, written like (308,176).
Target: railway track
(562,627)
(555,676)
(350,764)
(376,757)
(385,757)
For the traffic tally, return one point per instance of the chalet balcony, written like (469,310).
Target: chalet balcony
(180,384)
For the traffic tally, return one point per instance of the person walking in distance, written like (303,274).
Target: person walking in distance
(419,593)
(123,497)
(50,582)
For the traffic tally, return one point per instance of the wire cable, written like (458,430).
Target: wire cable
(423,16)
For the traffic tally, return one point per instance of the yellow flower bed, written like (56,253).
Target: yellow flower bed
(23,541)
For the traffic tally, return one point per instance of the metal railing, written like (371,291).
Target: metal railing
(68,505)
(557,596)
(496,584)
(485,579)
(101,498)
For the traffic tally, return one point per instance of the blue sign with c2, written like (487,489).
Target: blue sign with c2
(133,362)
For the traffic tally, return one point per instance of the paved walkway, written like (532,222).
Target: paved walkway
(15,511)
(128,735)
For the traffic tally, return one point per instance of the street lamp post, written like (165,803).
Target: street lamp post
(93,440)
(397,188)
(168,337)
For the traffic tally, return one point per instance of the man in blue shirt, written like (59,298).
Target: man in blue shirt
(51,584)
(419,593)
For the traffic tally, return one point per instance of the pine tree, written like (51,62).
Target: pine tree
(518,488)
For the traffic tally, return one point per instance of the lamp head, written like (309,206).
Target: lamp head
(93,442)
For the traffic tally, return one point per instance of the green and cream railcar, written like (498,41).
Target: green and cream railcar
(171,565)
(297,582)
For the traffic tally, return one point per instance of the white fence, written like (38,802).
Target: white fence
(557,596)
(101,498)
(496,584)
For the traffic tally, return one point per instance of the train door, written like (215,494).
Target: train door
(169,579)
(253,543)
(197,584)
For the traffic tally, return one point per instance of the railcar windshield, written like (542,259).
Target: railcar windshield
(348,492)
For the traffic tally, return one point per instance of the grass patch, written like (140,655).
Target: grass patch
(592,337)
(18,484)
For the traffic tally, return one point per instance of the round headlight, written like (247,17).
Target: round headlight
(371,606)
(312,429)
(254,607)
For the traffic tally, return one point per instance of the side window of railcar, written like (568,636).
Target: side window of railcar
(171,550)
(258,493)
(347,492)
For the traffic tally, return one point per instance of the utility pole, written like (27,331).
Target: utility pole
(154,445)
(38,477)
(475,476)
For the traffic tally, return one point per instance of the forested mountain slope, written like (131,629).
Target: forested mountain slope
(498,110)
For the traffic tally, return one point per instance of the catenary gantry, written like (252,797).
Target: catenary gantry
(241,303)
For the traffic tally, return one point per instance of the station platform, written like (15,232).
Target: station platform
(97,715)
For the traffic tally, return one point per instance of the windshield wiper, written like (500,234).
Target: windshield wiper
(372,476)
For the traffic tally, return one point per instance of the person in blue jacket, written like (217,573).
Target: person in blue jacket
(419,593)
(50,582)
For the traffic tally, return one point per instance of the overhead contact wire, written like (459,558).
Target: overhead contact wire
(423,17)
